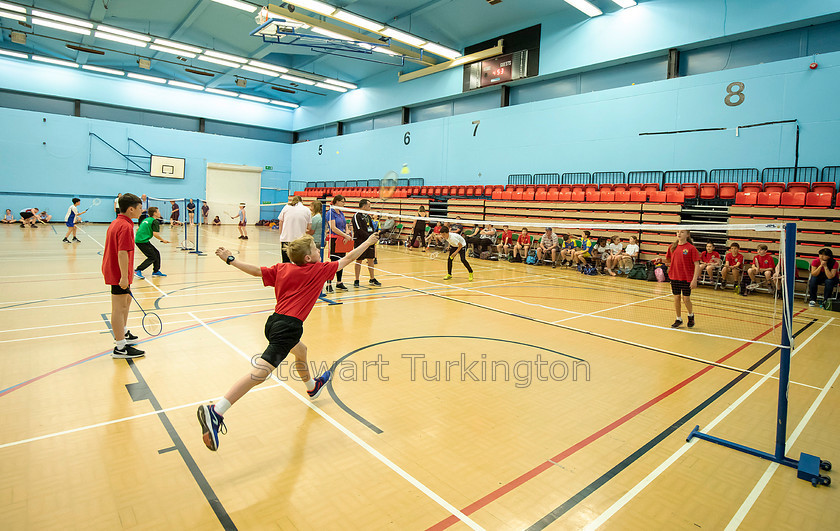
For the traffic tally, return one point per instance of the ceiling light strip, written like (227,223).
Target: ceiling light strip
(331,87)
(54,61)
(12,16)
(177,45)
(62,18)
(222,62)
(244,6)
(356,20)
(296,79)
(10,53)
(117,38)
(314,5)
(225,56)
(173,51)
(142,77)
(181,84)
(260,64)
(13,7)
(124,33)
(59,25)
(586,7)
(103,70)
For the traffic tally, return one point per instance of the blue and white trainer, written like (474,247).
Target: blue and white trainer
(211,425)
(138,274)
(320,382)
(158,274)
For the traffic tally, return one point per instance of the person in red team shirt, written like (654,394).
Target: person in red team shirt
(118,271)
(506,242)
(297,286)
(823,270)
(734,263)
(711,261)
(763,264)
(685,266)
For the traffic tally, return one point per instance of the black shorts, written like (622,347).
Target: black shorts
(283,333)
(26,215)
(370,252)
(117,290)
(681,287)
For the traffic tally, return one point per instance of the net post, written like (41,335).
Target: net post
(197,227)
(788,263)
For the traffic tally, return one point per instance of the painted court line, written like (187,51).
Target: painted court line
(624,500)
(610,308)
(368,448)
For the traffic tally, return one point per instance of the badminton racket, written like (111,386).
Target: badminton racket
(151,322)
(388,186)
(95,202)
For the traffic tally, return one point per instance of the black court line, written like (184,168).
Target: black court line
(142,391)
(373,427)
(629,460)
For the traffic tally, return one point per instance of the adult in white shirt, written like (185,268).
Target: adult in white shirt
(457,245)
(295,220)
(614,257)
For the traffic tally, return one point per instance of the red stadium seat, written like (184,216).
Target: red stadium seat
(497,195)
(622,196)
(824,187)
(438,190)
(564,196)
(818,200)
(607,187)
(517,195)
(691,190)
(470,190)
(671,186)
(541,195)
(708,190)
(554,187)
(674,196)
(552,195)
(728,190)
(793,199)
(507,195)
(769,198)
(752,187)
(528,195)
(462,190)
(779,187)
(565,188)
(650,187)
(607,196)
(657,196)
(799,187)
(638,196)
(592,195)
(620,188)
(746,198)
(424,191)
(577,188)
(634,187)
(590,186)
(578,196)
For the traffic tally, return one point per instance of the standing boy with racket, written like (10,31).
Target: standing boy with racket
(70,220)
(297,286)
(117,262)
(149,227)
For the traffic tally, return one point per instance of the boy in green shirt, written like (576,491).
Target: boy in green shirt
(149,227)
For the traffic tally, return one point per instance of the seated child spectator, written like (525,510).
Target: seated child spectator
(432,237)
(567,252)
(614,256)
(45,217)
(8,218)
(733,263)
(506,242)
(587,246)
(601,253)
(710,261)
(823,271)
(548,245)
(763,264)
(216,221)
(523,244)
(630,254)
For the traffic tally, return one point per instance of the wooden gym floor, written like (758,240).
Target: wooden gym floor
(525,399)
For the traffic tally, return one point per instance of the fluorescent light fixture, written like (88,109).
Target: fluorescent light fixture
(117,38)
(221,92)
(142,77)
(314,5)
(173,51)
(59,25)
(625,3)
(356,20)
(586,7)
(350,86)
(330,34)
(13,16)
(43,59)
(191,86)
(177,45)
(61,18)
(254,98)
(13,54)
(442,51)
(250,8)
(386,51)
(103,70)
(411,40)
(262,71)
(12,7)
(124,33)
(330,87)
(217,61)
(225,56)
(296,79)
(285,104)
(267,66)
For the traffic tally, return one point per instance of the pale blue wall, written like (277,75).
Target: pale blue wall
(34,174)
(599,131)
(650,28)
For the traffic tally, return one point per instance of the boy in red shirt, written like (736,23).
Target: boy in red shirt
(523,243)
(763,264)
(506,243)
(685,265)
(297,286)
(711,261)
(118,271)
(733,262)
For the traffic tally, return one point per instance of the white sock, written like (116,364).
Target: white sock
(310,385)
(679,318)
(121,344)
(222,406)
(691,315)
(126,330)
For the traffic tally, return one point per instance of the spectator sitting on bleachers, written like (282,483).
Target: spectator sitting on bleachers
(548,244)
(457,228)
(614,257)
(587,246)
(630,254)
(763,264)
(523,244)
(567,252)
(481,238)
(601,252)
(710,262)
(506,242)
(431,238)
(733,263)
(823,271)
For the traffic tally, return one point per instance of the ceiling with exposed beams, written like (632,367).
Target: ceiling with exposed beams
(213,26)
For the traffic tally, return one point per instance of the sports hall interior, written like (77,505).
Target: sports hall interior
(527,397)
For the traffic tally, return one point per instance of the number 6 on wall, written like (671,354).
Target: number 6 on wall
(407,138)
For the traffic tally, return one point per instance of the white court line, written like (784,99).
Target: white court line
(771,469)
(152,285)
(353,437)
(624,500)
(92,238)
(610,308)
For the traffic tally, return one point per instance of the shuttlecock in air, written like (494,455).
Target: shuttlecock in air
(404,169)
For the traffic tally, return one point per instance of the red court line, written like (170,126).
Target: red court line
(542,467)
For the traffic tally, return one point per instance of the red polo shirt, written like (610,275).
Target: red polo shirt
(297,288)
(120,237)
(682,260)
